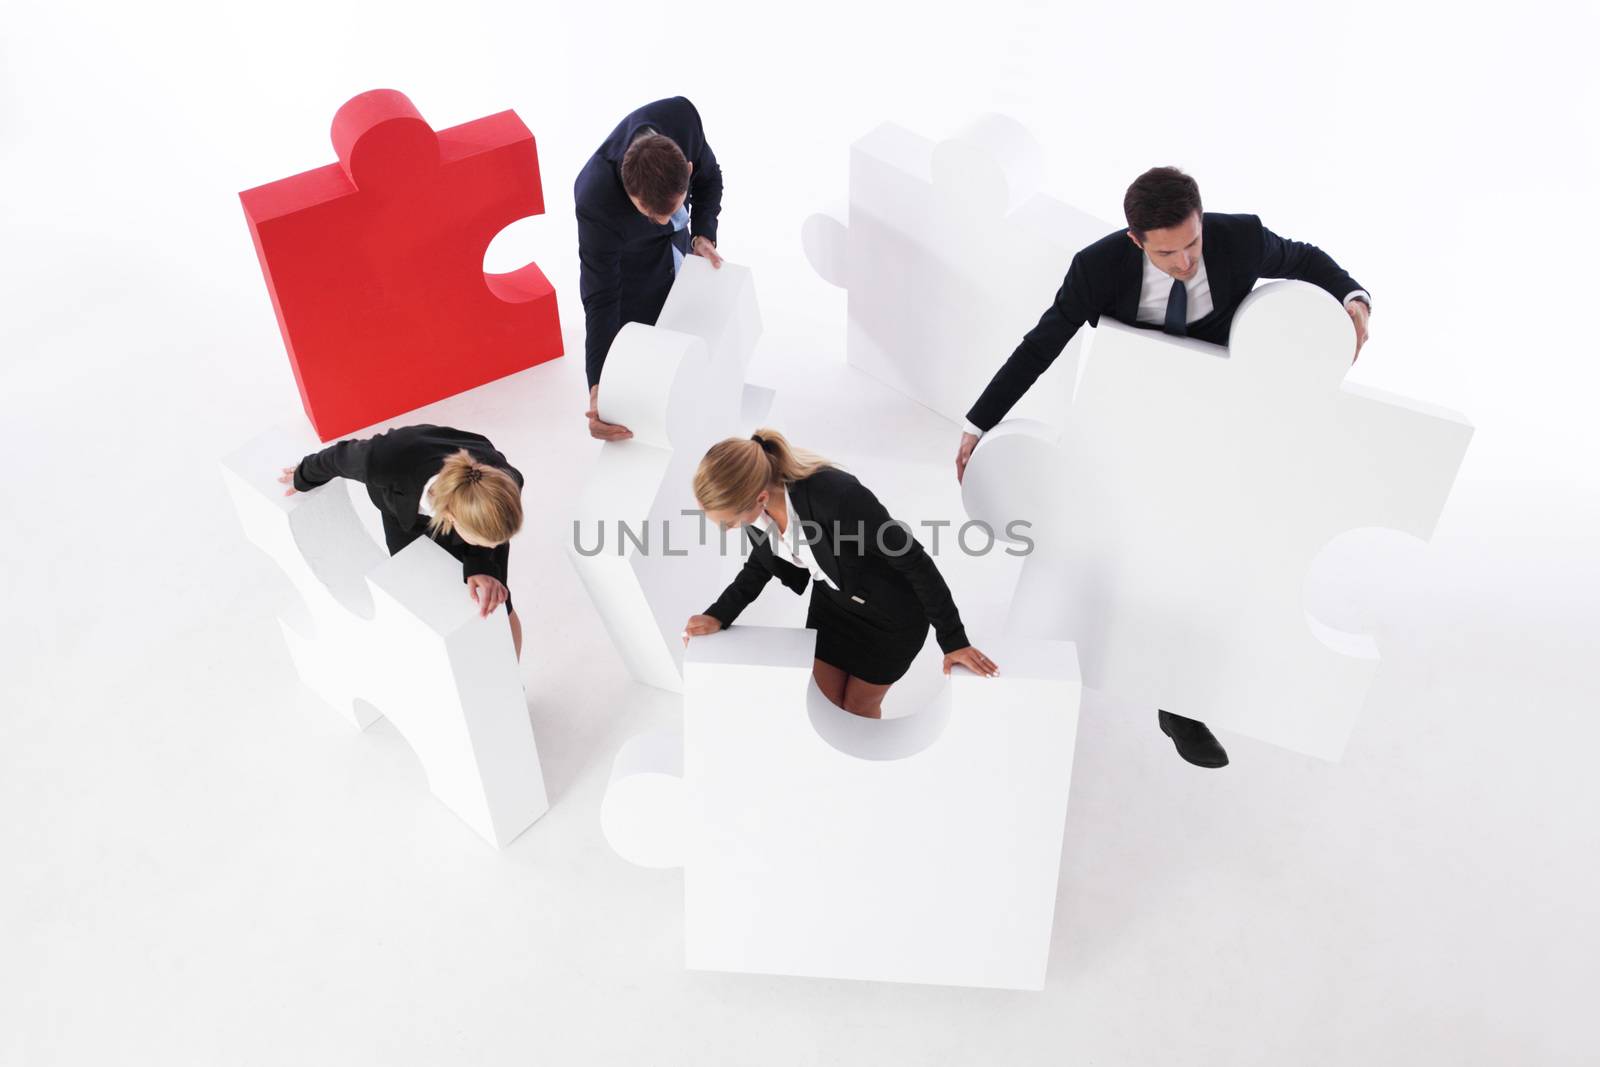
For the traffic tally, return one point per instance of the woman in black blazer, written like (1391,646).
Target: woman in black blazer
(874,590)
(449,484)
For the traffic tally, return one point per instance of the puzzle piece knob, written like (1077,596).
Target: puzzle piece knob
(642,813)
(382,140)
(1294,331)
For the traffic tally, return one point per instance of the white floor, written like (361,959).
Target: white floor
(209,867)
(201,865)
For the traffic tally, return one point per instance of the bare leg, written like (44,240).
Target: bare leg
(830,680)
(864,698)
(516,634)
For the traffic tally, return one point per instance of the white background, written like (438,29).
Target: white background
(204,866)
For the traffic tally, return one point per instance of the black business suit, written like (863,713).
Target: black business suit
(1105,279)
(889,592)
(394,466)
(625,261)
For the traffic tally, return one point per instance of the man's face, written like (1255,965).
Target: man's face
(474,540)
(1175,249)
(659,220)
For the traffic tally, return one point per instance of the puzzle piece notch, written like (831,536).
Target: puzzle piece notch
(953,816)
(375,263)
(1181,507)
(679,385)
(371,633)
(949,255)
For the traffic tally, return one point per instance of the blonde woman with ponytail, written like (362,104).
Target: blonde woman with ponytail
(446,483)
(874,590)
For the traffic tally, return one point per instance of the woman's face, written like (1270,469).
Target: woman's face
(732,520)
(473,539)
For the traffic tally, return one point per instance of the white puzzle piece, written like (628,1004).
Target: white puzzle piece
(398,637)
(680,387)
(1177,515)
(815,842)
(949,253)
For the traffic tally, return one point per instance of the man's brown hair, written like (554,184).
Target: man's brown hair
(1159,198)
(654,170)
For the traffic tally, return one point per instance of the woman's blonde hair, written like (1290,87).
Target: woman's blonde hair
(473,496)
(735,470)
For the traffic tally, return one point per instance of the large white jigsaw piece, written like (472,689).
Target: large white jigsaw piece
(1177,513)
(923,848)
(947,247)
(643,550)
(398,637)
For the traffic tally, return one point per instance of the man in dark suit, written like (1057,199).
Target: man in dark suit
(1179,269)
(648,196)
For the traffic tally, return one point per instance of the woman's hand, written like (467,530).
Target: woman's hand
(972,660)
(488,592)
(287,478)
(699,625)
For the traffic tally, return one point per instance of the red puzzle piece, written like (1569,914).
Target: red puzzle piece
(375,263)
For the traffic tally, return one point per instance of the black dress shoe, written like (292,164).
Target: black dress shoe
(1194,740)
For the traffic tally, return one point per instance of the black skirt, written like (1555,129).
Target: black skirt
(866,643)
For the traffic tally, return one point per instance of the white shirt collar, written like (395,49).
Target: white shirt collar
(422,504)
(1155,287)
(790,545)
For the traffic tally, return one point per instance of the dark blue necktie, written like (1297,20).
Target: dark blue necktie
(1177,310)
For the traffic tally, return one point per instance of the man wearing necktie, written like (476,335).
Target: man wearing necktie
(1178,269)
(647,197)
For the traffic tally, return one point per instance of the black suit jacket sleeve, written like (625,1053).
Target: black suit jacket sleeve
(705,190)
(342,459)
(375,457)
(600,288)
(1283,258)
(745,587)
(892,541)
(1075,304)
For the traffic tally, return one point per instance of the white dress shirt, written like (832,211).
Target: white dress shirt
(790,545)
(422,504)
(1155,288)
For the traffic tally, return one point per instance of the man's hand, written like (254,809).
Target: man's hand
(969,441)
(487,592)
(287,478)
(605,431)
(1359,314)
(703,246)
(700,624)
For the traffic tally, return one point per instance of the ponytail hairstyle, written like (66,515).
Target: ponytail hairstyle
(736,470)
(476,498)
